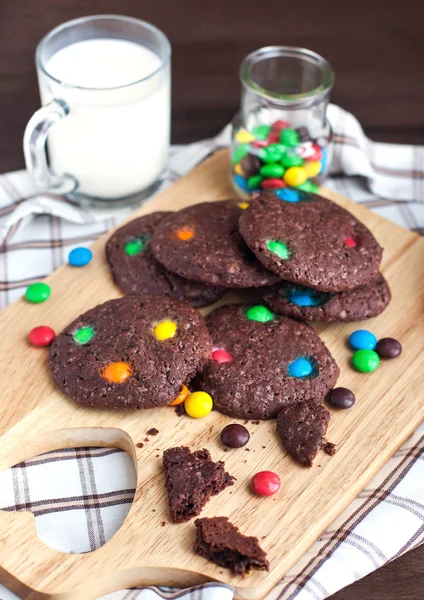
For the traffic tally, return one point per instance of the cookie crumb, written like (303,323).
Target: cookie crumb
(264,447)
(246,421)
(152,431)
(146,439)
(157,455)
(330,448)
(139,444)
(247,449)
(180,410)
(163,523)
(255,422)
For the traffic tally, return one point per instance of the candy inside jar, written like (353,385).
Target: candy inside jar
(281,138)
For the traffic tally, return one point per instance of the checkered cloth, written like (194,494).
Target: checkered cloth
(80,497)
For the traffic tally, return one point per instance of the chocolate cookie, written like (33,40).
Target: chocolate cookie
(134,352)
(221,542)
(312,242)
(302,430)
(202,243)
(274,361)
(304,303)
(192,478)
(136,271)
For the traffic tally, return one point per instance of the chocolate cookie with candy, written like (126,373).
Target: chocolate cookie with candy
(310,241)
(133,352)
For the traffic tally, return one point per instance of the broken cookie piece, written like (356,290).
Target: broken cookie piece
(191,479)
(302,428)
(220,541)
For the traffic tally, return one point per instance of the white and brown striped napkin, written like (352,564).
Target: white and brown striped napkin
(80,497)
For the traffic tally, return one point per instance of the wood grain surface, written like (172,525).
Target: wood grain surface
(376,49)
(34,418)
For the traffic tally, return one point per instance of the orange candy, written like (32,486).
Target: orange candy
(117,372)
(181,396)
(185,234)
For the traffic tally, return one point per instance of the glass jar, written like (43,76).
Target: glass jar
(281,138)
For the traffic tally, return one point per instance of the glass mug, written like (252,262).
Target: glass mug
(105,93)
(281,138)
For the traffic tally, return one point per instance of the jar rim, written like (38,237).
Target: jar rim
(287,52)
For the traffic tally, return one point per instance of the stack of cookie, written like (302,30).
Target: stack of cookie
(309,260)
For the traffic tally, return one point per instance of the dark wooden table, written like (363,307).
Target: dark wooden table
(376,49)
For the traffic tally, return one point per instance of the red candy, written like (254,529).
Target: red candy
(317,154)
(278,126)
(41,336)
(350,242)
(265,483)
(260,143)
(221,356)
(269,184)
(273,137)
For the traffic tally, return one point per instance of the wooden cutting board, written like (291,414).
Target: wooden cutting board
(36,418)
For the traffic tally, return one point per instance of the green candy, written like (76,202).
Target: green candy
(261,132)
(134,246)
(37,292)
(84,335)
(291,160)
(278,248)
(240,152)
(308,186)
(289,137)
(259,313)
(365,361)
(271,154)
(272,170)
(254,181)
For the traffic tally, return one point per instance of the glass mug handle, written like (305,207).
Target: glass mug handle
(35,138)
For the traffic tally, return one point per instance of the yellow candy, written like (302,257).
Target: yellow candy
(243,205)
(295,176)
(244,137)
(238,169)
(165,330)
(198,405)
(312,168)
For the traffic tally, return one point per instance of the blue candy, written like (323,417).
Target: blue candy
(288,195)
(324,159)
(241,182)
(300,368)
(307,297)
(361,339)
(79,257)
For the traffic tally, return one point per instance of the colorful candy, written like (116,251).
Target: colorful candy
(37,292)
(79,257)
(288,195)
(182,396)
(260,313)
(84,335)
(165,330)
(263,158)
(388,348)
(134,246)
(295,176)
(300,368)
(198,405)
(350,242)
(235,436)
(185,234)
(243,205)
(362,339)
(266,483)
(341,397)
(41,336)
(221,356)
(365,361)
(307,297)
(117,372)
(278,248)
(272,170)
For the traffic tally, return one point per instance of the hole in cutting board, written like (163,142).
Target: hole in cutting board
(79,496)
